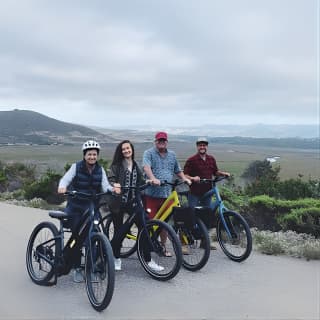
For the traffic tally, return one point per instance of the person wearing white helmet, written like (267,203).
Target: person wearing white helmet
(201,166)
(85,176)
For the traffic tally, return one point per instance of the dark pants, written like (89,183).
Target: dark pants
(116,242)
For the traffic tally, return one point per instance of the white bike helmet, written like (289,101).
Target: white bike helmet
(90,144)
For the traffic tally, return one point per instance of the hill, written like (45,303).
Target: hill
(29,127)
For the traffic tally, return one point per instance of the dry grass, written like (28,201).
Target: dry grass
(287,243)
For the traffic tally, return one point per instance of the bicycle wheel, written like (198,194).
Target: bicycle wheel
(195,243)
(42,250)
(164,250)
(237,247)
(99,271)
(129,243)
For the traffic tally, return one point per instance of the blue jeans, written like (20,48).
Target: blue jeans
(194,201)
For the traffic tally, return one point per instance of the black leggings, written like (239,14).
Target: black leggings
(116,242)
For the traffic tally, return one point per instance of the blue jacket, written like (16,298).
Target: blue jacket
(84,182)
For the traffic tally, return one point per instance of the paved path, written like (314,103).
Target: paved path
(263,287)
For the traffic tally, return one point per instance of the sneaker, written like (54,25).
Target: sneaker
(117,264)
(185,250)
(155,266)
(78,275)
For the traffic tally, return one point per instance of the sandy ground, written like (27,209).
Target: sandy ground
(263,287)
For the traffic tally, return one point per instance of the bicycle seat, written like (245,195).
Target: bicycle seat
(58,214)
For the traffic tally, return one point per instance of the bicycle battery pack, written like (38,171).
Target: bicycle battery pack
(206,215)
(184,217)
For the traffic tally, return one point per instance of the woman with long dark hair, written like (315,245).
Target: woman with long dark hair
(124,171)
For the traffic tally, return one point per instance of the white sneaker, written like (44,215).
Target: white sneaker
(78,275)
(155,266)
(117,264)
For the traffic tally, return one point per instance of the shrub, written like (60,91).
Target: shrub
(15,176)
(268,243)
(303,220)
(267,213)
(291,243)
(45,188)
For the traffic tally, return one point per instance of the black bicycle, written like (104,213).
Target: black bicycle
(50,254)
(149,238)
(191,231)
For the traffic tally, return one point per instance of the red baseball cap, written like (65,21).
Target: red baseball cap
(161,135)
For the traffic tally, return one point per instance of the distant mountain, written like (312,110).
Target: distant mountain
(29,127)
(23,126)
(238,130)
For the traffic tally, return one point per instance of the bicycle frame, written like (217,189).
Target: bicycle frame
(164,211)
(166,208)
(123,232)
(216,202)
(87,225)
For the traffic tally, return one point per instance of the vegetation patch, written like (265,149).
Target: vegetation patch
(299,245)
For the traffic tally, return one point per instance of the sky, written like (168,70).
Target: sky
(161,62)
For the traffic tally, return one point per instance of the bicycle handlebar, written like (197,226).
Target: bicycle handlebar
(216,179)
(74,193)
(141,187)
(173,184)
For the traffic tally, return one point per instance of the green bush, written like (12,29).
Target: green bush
(303,220)
(267,213)
(45,188)
(262,178)
(232,200)
(14,176)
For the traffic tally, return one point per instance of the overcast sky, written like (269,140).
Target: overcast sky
(161,63)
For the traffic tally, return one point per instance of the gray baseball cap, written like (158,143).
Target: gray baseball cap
(203,140)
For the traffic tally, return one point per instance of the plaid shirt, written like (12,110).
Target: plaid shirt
(205,169)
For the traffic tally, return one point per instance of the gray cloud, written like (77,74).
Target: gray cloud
(177,62)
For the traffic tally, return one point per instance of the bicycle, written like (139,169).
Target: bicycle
(190,229)
(148,239)
(233,232)
(50,254)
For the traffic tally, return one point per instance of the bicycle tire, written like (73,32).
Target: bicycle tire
(42,251)
(239,247)
(171,265)
(196,245)
(129,243)
(99,271)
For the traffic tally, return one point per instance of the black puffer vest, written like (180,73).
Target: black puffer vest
(84,182)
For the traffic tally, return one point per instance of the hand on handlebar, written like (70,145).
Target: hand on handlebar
(116,188)
(62,190)
(195,179)
(223,173)
(187,181)
(155,182)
